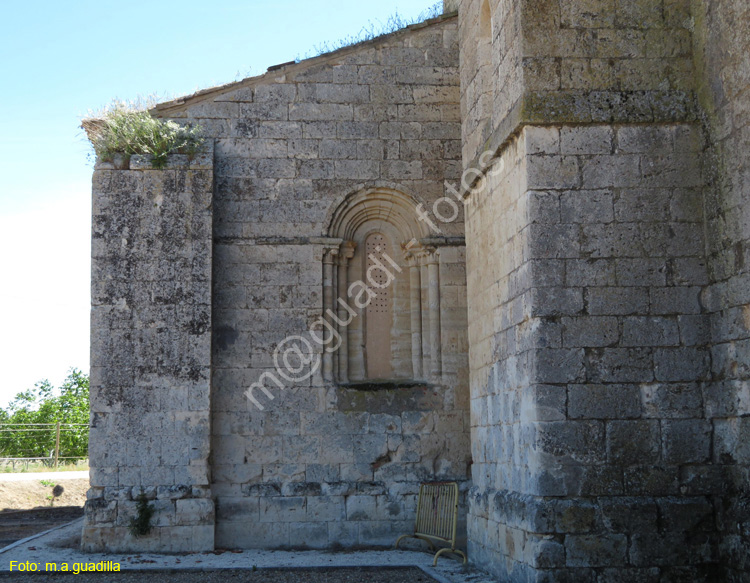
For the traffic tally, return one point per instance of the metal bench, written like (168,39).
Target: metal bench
(437,517)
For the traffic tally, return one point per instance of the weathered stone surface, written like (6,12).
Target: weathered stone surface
(598,389)
(288,151)
(150,378)
(610,180)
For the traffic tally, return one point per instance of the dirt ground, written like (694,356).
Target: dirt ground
(25,507)
(18,524)
(33,494)
(327,575)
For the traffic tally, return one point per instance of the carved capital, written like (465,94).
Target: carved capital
(330,255)
(346,252)
(428,255)
(411,250)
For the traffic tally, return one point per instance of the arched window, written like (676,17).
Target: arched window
(378,292)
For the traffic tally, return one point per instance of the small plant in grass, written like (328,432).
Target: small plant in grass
(57,490)
(128,129)
(140,524)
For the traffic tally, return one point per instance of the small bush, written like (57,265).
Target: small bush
(129,129)
(140,524)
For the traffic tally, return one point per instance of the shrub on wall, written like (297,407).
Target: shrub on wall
(125,129)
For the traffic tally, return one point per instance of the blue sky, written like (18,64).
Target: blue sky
(59,60)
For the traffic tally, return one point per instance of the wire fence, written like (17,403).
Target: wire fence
(47,444)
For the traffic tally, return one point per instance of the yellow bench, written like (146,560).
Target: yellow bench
(437,516)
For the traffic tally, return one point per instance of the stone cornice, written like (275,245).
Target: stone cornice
(584,108)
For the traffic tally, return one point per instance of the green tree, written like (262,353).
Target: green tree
(69,404)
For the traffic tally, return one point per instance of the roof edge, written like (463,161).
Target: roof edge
(293,66)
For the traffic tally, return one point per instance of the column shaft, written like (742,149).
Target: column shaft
(434,300)
(424,315)
(415,293)
(347,252)
(327,304)
(334,295)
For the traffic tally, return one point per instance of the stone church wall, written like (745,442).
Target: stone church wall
(591,388)
(324,464)
(586,394)
(579,363)
(151,355)
(721,54)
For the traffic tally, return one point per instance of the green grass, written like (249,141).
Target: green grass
(34,467)
(375,29)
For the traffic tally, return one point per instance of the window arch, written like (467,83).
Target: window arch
(391,331)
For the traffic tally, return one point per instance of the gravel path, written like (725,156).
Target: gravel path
(376,566)
(18,524)
(328,575)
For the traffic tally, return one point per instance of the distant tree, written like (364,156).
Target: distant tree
(45,404)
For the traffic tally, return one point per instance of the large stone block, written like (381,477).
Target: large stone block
(607,289)
(610,401)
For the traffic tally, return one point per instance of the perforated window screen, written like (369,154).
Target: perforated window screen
(379,314)
(376,248)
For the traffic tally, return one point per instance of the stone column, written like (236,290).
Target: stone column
(424,314)
(334,295)
(328,304)
(433,289)
(415,297)
(346,253)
